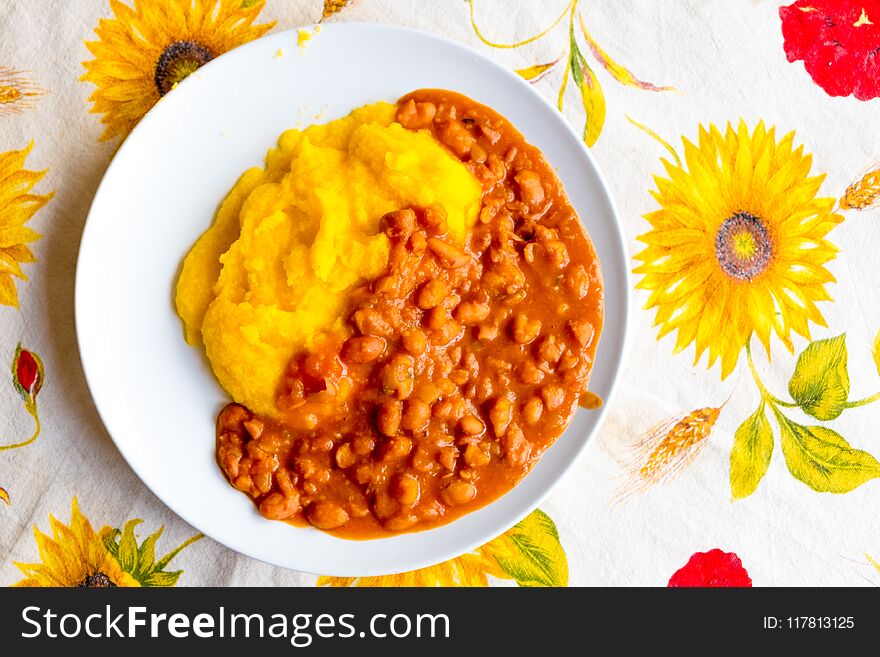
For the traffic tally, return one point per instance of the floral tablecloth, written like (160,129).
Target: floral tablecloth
(740,142)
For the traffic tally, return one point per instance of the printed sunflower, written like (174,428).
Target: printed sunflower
(73,556)
(78,556)
(144,51)
(17,206)
(738,246)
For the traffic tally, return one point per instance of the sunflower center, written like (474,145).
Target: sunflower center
(97,580)
(743,246)
(177,61)
(9,94)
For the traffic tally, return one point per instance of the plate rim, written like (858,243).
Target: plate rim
(614,374)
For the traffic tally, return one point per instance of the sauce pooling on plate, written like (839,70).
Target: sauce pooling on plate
(455,368)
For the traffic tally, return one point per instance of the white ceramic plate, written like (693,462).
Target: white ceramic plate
(156,395)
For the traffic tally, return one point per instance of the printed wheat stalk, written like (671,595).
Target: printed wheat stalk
(862,194)
(667,449)
(333,7)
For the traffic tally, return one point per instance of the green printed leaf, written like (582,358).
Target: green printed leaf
(592,97)
(532,554)
(139,561)
(750,456)
(823,460)
(820,383)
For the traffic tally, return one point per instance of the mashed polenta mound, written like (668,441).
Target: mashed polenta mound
(274,270)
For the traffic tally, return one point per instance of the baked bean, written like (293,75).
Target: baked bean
(432,294)
(530,189)
(487,332)
(423,459)
(577,281)
(326,515)
(400,522)
(345,457)
(397,376)
(254,427)
(447,456)
(363,349)
(590,400)
(396,448)
(416,415)
(231,418)
(458,492)
(434,219)
(557,253)
(363,444)
(451,256)
(532,411)
(478,154)
(471,312)
(515,446)
(496,167)
(370,321)
(582,331)
(414,341)
(501,415)
(276,506)
(390,415)
(418,241)
(385,506)
(553,397)
(489,133)
(475,457)
(471,425)
(413,115)
(525,330)
(399,223)
(551,349)
(406,489)
(457,137)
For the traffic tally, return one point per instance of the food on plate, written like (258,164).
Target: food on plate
(404,308)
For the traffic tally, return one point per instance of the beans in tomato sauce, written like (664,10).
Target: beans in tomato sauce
(463,364)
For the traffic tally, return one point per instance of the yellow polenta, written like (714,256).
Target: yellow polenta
(290,240)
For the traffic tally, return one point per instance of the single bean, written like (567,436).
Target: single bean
(416,416)
(431,294)
(458,492)
(363,349)
(450,256)
(390,415)
(471,312)
(345,457)
(532,411)
(530,189)
(414,341)
(501,415)
(399,223)
(582,331)
(525,330)
(276,506)
(406,489)
(326,515)
(472,425)
(553,396)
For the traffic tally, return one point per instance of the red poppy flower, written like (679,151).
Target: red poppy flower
(27,374)
(713,568)
(839,43)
